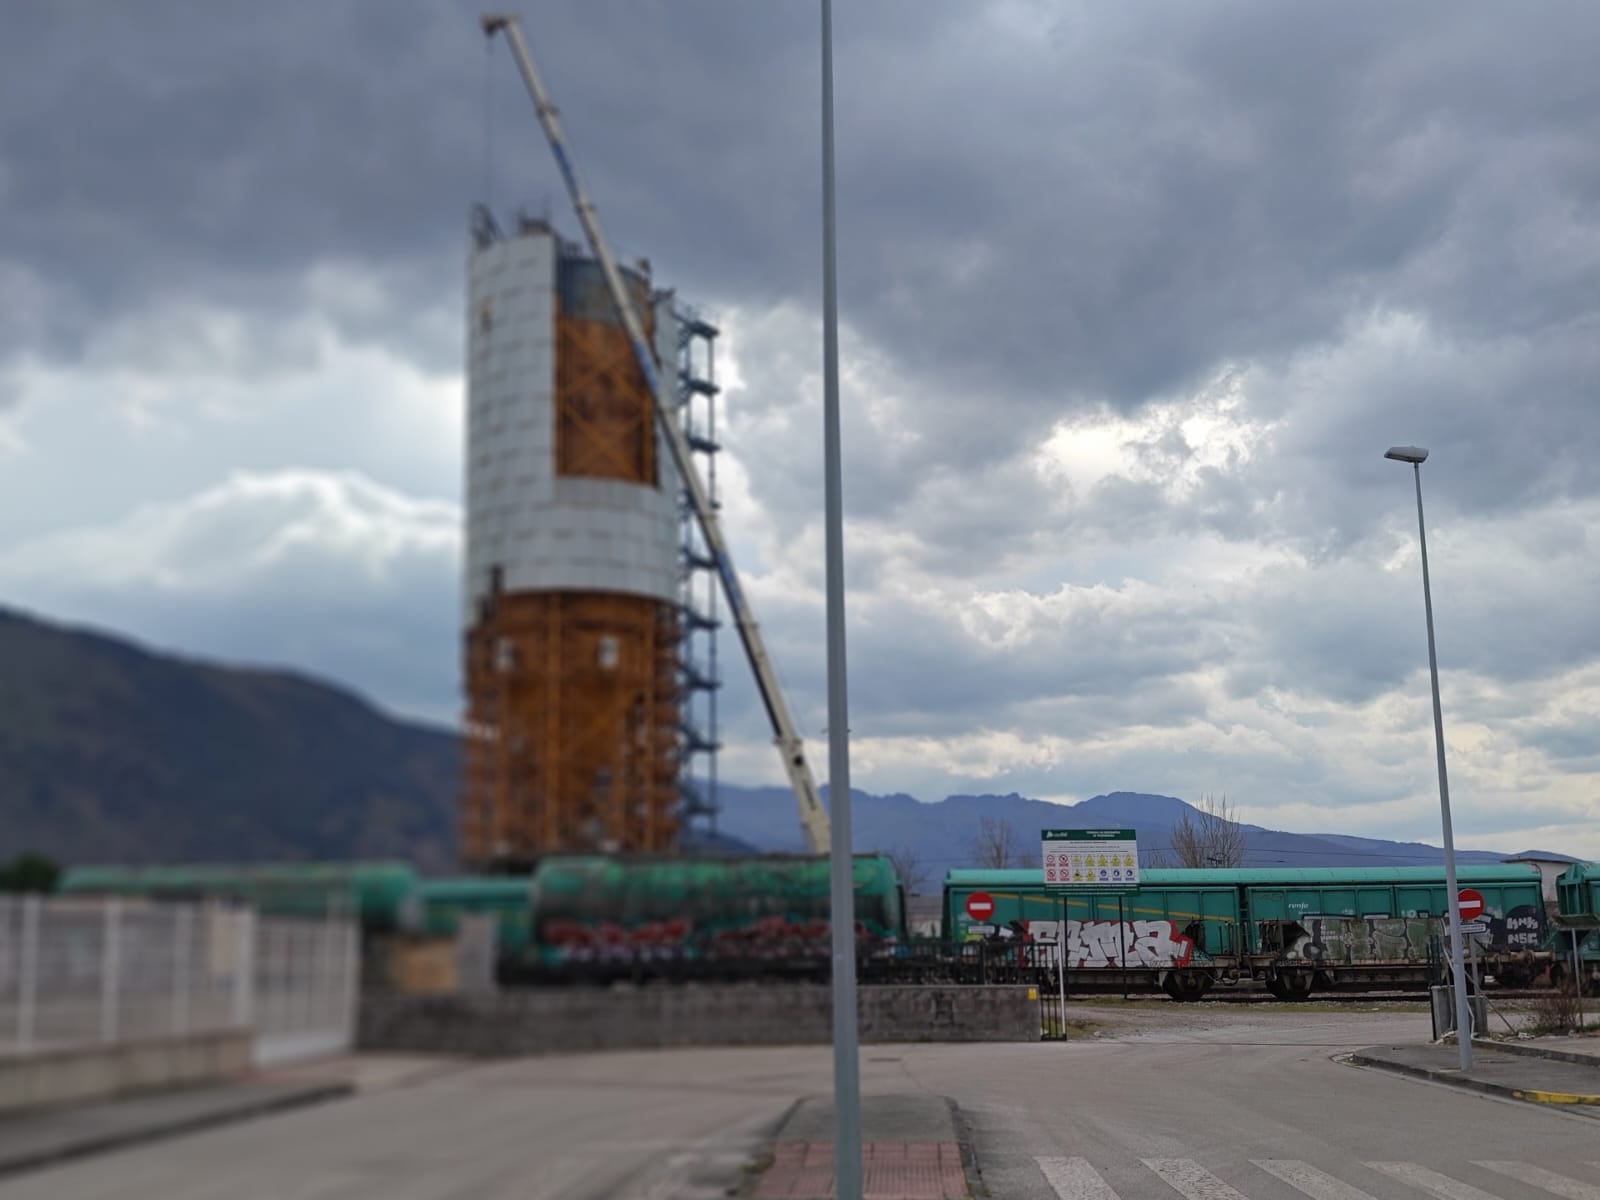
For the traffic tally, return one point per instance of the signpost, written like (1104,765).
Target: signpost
(1092,860)
(980,907)
(1469,903)
(1089,861)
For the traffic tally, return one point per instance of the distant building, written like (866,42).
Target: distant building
(924,915)
(1550,867)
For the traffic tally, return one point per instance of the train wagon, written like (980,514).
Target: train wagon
(1333,928)
(595,919)
(380,895)
(1295,930)
(1574,941)
(1177,933)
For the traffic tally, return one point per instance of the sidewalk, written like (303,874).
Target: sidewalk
(1516,1070)
(54,1135)
(911,1150)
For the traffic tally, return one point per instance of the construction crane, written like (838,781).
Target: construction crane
(813,817)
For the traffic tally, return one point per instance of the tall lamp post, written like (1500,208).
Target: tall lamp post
(1416,456)
(846,1036)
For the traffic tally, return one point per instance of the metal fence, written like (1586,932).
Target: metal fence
(85,971)
(305,988)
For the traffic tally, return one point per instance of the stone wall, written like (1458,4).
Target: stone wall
(578,1019)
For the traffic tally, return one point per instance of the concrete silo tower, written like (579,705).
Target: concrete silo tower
(574,567)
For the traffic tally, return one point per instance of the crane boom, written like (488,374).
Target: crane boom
(813,817)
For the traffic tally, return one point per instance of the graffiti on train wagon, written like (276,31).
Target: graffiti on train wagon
(1093,944)
(1338,938)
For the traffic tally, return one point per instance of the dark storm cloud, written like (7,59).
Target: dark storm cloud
(1031,220)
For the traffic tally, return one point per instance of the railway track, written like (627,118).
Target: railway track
(1264,998)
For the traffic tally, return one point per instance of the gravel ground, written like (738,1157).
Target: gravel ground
(1135,1019)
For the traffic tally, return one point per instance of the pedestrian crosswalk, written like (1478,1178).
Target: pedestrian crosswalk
(1079,1179)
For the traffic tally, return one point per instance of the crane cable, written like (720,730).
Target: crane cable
(488,124)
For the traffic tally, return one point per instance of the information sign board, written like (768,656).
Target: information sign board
(1091,859)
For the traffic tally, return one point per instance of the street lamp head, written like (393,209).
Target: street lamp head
(1407,454)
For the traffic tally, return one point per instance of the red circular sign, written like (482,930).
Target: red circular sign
(980,906)
(1471,904)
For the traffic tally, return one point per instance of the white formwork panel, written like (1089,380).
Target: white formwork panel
(510,398)
(546,533)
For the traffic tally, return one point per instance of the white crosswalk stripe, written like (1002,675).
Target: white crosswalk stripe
(1303,1177)
(1431,1182)
(1075,1179)
(1571,1189)
(1078,1179)
(1188,1178)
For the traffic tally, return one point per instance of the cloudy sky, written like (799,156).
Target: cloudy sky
(1134,297)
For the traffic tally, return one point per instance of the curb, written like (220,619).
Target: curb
(1535,1051)
(1528,1095)
(99,1144)
(969,1154)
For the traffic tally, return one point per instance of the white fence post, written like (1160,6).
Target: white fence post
(27,972)
(110,970)
(182,937)
(350,1006)
(244,948)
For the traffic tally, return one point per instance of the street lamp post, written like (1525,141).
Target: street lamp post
(846,1036)
(1416,456)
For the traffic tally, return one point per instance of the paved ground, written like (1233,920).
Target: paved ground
(1198,1104)
(911,1150)
(1255,1106)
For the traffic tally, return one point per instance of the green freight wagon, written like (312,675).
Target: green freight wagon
(1294,929)
(1578,891)
(1322,928)
(380,894)
(1411,893)
(1185,898)
(593,916)
(1576,930)
(1177,932)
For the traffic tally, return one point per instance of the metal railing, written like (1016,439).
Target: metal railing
(81,971)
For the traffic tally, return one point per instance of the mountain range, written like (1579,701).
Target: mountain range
(111,752)
(941,836)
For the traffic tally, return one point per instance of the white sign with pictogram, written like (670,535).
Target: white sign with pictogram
(1094,859)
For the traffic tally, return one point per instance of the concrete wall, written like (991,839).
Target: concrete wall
(96,1072)
(561,1021)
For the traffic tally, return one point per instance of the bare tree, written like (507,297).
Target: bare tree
(908,865)
(1209,835)
(996,845)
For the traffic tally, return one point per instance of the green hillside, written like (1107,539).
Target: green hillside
(112,753)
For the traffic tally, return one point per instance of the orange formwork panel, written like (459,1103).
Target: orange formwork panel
(572,718)
(604,412)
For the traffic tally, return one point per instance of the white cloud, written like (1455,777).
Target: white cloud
(1117,373)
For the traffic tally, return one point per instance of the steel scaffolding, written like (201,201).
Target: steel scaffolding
(697,392)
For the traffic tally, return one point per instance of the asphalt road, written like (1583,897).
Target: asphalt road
(1213,1108)
(1259,1108)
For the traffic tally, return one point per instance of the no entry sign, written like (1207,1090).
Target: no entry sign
(1471,903)
(980,906)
